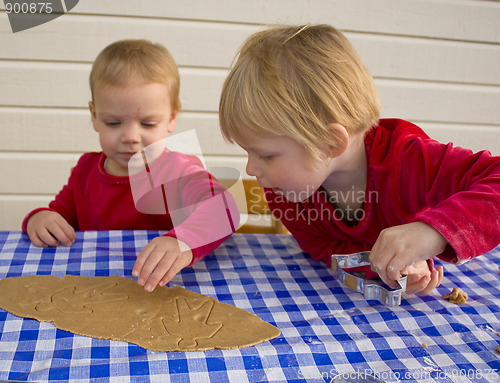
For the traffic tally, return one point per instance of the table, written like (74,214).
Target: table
(326,328)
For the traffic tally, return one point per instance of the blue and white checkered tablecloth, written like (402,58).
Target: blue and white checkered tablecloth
(326,328)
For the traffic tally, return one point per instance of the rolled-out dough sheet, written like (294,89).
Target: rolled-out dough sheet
(168,319)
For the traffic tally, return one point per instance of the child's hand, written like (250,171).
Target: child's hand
(48,228)
(159,261)
(422,280)
(399,248)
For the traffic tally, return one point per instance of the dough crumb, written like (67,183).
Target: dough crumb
(498,349)
(456,296)
(425,345)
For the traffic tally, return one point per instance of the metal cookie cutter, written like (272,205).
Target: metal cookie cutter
(371,289)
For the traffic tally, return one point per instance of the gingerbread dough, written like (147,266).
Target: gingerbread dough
(168,319)
(456,296)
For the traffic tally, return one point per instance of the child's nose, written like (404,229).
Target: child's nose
(131,134)
(252,168)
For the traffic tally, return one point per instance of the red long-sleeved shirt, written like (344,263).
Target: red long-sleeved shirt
(410,178)
(176,187)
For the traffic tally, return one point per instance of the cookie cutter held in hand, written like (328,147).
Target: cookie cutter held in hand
(371,289)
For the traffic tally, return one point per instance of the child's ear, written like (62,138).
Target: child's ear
(341,137)
(92,114)
(173,121)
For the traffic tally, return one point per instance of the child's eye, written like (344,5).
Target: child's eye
(112,123)
(149,124)
(267,157)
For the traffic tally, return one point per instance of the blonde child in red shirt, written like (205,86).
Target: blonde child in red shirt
(301,103)
(135,104)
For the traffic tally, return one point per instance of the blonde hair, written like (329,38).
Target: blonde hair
(127,60)
(294,81)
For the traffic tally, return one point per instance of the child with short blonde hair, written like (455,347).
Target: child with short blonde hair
(299,100)
(135,104)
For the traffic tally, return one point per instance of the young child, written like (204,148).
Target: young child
(135,103)
(301,103)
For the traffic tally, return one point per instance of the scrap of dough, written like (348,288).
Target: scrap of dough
(456,296)
(168,319)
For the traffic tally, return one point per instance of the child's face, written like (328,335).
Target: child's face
(128,119)
(282,164)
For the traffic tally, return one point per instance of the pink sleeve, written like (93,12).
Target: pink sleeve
(203,213)
(211,215)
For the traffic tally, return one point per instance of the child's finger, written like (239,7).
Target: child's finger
(159,272)
(62,233)
(418,286)
(433,283)
(153,259)
(69,232)
(46,237)
(440,271)
(142,258)
(176,267)
(36,240)
(385,270)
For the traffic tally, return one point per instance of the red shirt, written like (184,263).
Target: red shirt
(96,200)
(410,178)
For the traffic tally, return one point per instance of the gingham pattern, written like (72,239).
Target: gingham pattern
(326,328)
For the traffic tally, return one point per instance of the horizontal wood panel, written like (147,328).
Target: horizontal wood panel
(191,43)
(13,209)
(429,60)
(199,44)
(439,102)
(65,85)
(69,130)
(26,173)
(40,173)
(476,138)
(457,19)
(32,181)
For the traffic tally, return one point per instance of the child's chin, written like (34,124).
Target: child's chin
(293,196)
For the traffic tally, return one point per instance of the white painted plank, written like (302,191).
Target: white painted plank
(70,130)
(44,84)
(71,39)
(26,173)
(476,138)
(47,130)
(439,102)
(64,85)
(47,173)
(466,20)
(201,44)
(429,60)
(13,209)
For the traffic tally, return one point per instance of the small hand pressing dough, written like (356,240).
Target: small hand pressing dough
(168,319)
(456,296)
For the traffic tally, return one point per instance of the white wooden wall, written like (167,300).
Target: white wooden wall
(435,62)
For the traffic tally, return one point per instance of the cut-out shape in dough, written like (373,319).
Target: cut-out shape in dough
(168,319)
